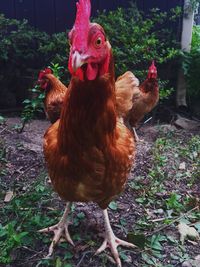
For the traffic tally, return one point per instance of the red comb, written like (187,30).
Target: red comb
(43,72)
(82,22)
(152,71)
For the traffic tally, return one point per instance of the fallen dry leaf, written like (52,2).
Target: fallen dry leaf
(187,231)
(182,166)
(8,196)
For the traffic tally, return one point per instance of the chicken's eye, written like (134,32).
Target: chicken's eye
(98,42)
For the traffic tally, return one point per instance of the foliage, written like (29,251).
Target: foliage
(56,51)
(18,232)
(196,38)
(30,212)
(23,52)
(19,58)
(32,106)
(158,201)
(137,40)
(162,207)
(191,65)
(192,5)
(9,239)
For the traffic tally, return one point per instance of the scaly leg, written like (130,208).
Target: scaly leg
(137,139)
(60,230)
(112,241)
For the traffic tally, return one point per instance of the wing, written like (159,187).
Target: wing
(127,91)
(53,105)
(54,98)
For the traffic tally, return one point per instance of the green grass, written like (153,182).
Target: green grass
(22,217)
(35,206)
(163,198)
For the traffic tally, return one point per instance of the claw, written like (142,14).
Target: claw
(60,230)
(112,242)
(102,247)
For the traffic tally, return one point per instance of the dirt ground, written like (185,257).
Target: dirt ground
(24,152)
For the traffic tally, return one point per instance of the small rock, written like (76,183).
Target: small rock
(8,197)
(182,166)
(197,258)
(192,263)
(186,124)
(187,264)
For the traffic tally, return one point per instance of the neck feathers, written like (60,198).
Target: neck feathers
(89,114)
(55,83)
(150,86)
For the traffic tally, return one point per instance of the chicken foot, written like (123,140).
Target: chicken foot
(133,130)
(137,139)
(60,230)
(112,241)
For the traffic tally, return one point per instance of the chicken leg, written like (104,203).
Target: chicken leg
(112,241)
(60,230)
(137,139)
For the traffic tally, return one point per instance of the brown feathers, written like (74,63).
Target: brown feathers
(126,90)
(89,153)
(144,101)
(134,101)
(54,96)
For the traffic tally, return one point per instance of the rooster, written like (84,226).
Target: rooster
(89,151)
(54,94)
(140,100)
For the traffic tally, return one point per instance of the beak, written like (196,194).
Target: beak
(78,60)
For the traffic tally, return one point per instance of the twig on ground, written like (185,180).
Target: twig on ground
(36,253)
(110,258)
(5,129)
(145,122)
(31,250)
(83,257)
(26,171)
(172,222)
(160,219)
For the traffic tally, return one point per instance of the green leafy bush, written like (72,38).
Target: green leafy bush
(20,58)
(10,239)
(191,65)
(56,51)
(23,52)
(137,40)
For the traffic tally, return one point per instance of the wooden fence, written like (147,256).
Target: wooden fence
(58,15)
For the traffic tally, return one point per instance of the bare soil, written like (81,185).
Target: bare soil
(25,159)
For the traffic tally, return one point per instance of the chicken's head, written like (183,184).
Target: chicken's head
(90,50)
(152,74)
(42,79)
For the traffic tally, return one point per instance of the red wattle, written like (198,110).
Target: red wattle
(92,71)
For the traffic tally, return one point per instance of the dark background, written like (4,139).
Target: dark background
(58,15)
(53,16)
